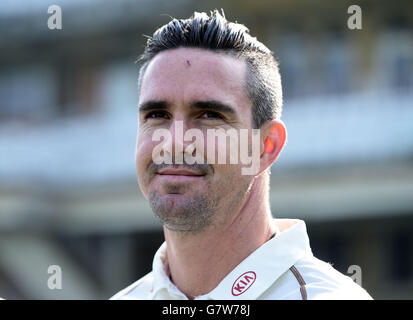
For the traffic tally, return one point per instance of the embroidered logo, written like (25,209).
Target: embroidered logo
(243,283)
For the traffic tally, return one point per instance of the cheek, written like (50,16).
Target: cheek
(221,149)
(230,185)
(143,158)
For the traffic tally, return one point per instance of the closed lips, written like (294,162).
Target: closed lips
(180,172)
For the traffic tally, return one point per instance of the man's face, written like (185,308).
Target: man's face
(202,90)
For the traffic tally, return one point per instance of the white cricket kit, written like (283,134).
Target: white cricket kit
(282,268)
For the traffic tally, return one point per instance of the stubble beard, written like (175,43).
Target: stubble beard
(194,214)
(191,215)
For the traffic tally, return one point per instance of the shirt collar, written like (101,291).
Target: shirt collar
(256,273)
(163,288)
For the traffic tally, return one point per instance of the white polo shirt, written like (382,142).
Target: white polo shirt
(282,268)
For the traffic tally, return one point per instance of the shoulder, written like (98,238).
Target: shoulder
(139,290)
(313,279)
(323,281)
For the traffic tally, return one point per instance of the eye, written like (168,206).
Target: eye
(156,115)
(211,115)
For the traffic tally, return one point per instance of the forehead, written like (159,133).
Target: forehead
(187,74)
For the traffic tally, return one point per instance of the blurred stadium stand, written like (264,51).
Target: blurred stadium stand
(68,120)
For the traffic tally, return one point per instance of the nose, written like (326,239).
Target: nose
(177,144)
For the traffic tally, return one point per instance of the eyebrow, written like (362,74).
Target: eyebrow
(153,105)
(212,105)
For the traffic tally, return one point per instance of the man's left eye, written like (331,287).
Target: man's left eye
(211,115)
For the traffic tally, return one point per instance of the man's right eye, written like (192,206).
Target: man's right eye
(156,115)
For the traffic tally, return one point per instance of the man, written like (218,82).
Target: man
(221,242)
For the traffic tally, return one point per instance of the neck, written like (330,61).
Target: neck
(199,262)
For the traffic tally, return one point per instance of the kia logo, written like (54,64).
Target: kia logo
(243,283)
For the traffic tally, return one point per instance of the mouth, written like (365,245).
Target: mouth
(180,172)
(180,175)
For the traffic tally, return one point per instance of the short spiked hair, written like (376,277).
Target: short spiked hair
(214,32)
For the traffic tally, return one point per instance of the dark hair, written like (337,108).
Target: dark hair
(214,32)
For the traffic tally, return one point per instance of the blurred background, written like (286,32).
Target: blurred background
(68,121)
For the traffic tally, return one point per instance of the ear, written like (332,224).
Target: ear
(273,138)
